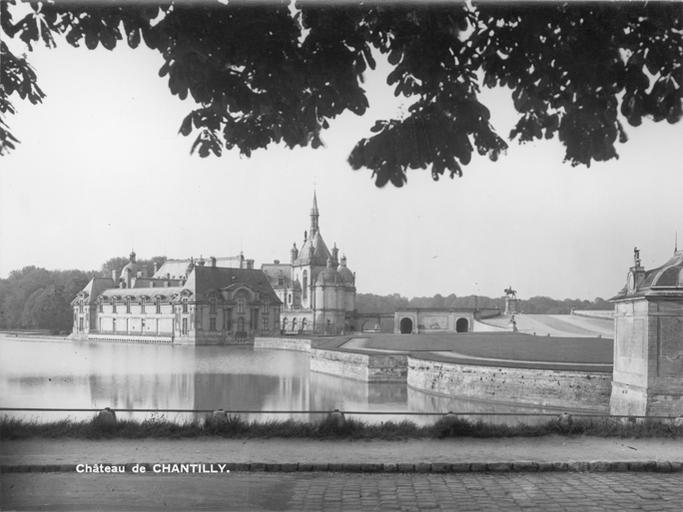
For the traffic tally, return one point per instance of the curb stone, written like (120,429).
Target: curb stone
(422,467)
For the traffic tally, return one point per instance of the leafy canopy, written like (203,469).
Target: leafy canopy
(279,73)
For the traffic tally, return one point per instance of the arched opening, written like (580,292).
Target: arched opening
(462,325)
(406,326)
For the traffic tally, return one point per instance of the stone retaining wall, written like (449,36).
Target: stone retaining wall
(360,366)
(566,389)
(296,344)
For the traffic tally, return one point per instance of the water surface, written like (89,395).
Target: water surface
(77,374)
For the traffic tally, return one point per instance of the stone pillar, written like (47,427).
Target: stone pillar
(648,342)
(511,305)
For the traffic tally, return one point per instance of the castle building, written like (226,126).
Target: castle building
(316,287)
(184,302)
(223,301)
(648,341)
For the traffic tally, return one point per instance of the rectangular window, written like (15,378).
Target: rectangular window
(265,322)
(184,305)
(212,323)
(240,305)
(100,307)
(212,306)
(142,305)
(184,331)
(113,305)
(228,320)
(113,325)
(158,305)
(127,305)
(80,324)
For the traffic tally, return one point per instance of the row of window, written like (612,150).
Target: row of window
(241,303)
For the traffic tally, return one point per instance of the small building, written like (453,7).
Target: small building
(184,302)
(648,341)
(433,320)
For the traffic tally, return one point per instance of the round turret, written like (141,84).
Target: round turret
(344,273)
(329,275)
(129,270)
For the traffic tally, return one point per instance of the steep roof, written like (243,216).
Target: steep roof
(176,268)
(320,251)
(278,272)
(94,288)
(203,279)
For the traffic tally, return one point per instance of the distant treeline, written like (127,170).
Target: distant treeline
(35,298)
(371,303)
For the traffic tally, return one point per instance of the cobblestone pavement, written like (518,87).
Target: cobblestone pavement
(346,491)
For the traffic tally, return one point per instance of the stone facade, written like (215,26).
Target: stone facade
(200,305)
(565,389)
(648,341)
(317,289)
(432,320)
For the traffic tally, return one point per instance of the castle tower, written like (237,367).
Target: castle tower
(648,341)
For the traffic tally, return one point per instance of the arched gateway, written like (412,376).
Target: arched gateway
(406,326)
(462,325)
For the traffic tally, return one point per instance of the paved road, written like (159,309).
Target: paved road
(346,491)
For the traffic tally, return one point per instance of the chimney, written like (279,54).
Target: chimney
(212,259)
(276,262)
(156,267)
(250,264)
(114,276)
(139,274)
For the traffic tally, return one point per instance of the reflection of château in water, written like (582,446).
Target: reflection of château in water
(224,301)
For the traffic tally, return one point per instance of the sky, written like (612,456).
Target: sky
(101,170)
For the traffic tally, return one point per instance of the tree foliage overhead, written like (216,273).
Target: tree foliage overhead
(279,73)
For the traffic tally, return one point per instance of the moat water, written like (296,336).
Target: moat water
(82,375)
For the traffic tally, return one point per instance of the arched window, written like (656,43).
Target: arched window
(294,324)
(284,324)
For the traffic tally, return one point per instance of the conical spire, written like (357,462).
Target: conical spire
(314,215)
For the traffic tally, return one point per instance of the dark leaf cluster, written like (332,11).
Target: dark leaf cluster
(279,73)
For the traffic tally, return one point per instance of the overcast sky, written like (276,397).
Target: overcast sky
(101,169)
